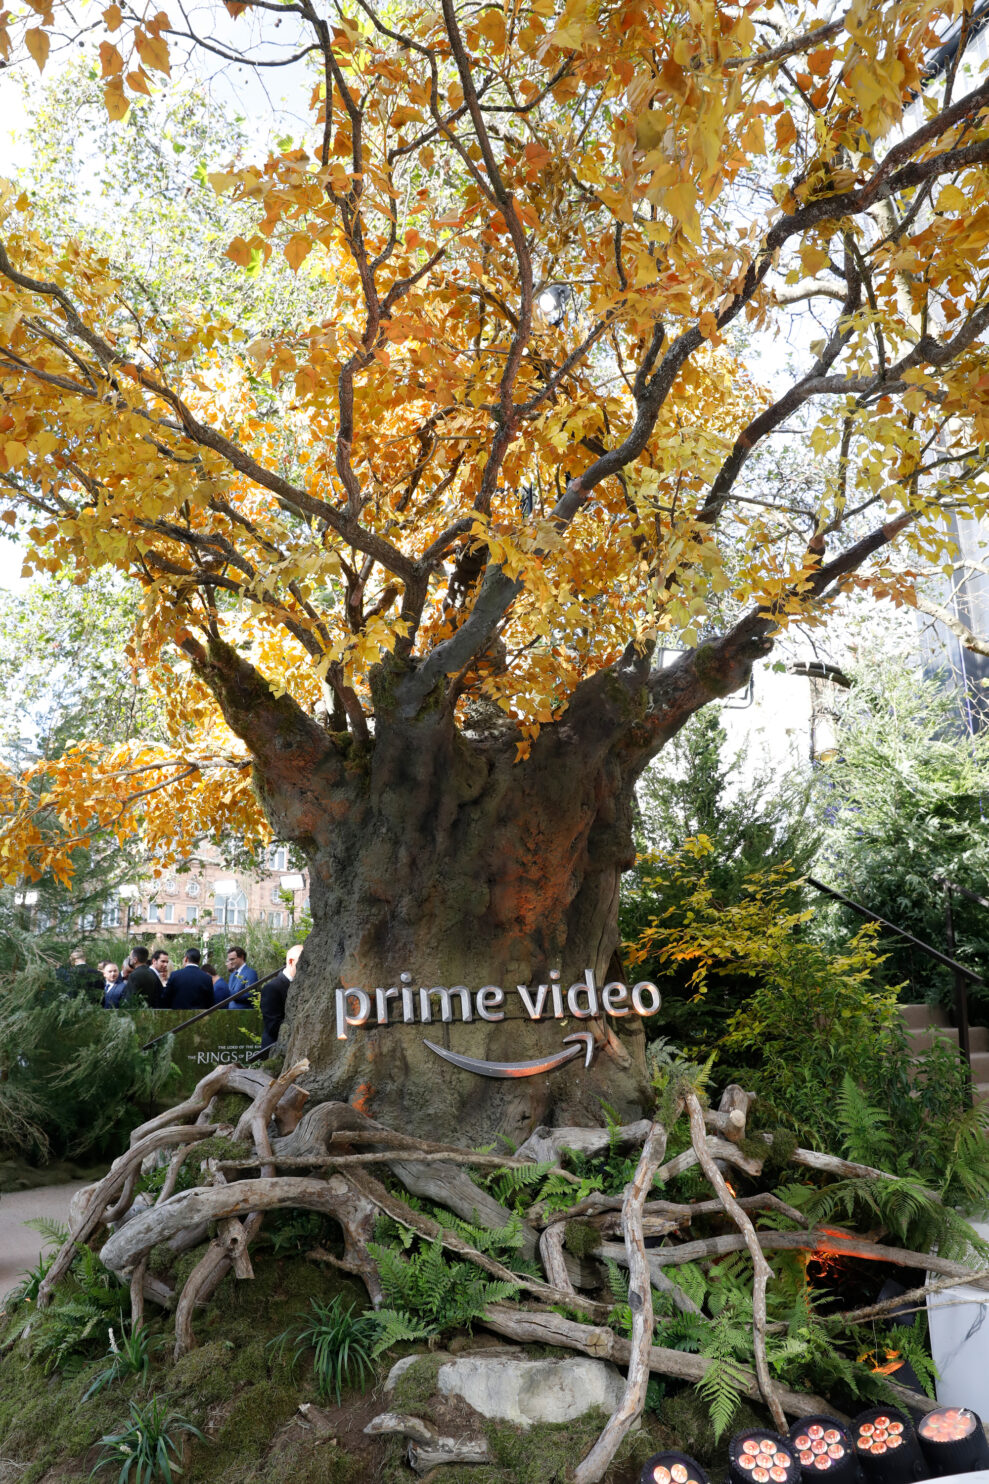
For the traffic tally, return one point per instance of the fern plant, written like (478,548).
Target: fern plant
(728,1345)
(91,1301)
(427,1293)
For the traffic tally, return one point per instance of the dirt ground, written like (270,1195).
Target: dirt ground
(21,1245)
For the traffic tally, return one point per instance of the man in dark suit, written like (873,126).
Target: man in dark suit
(273,997)
(189,988)
(142,981)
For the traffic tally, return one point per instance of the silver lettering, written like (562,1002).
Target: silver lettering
(589,988)
(654,994)
(535,1011)
(489,1002)
(381,997)
(615,998)
(446,1003)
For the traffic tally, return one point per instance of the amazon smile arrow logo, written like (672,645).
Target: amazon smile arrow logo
(579,1041)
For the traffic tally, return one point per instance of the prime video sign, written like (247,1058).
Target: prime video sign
(410,1006)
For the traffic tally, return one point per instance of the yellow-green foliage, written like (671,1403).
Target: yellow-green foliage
(811,1015)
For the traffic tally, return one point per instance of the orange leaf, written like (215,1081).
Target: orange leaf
(238,252)
(110,59)
(154,52)
(297,249)
(115,99)
(113,16)
(38,45)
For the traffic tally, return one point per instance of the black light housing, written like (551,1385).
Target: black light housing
(672,1468)
(953,1441)
(886,1447)
(824,1449)
(756,1456)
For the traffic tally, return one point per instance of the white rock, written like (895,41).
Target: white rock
(529,1391)
(399,1369)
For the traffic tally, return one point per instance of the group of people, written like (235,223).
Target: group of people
(146,978)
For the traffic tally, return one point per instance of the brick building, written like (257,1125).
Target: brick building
(205,894)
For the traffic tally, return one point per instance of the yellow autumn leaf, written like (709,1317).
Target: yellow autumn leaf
(115,99)
(113,17)
(111,62)
(297,249)
(15,453)
(153,51)
(649,129)
(952,198)
(38,44)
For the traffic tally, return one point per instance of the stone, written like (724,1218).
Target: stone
(525,1392)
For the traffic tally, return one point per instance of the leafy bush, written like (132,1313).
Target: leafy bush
(74,1074)
(148,1448)
(906,788)
(343,1345)
(689,794)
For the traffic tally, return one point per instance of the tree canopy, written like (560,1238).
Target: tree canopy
(525,421)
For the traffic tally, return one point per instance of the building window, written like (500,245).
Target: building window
(192,914)
(277,858)
(87,922)
(275,919)
(231,910)
(171,885)
(276,893)
(153,912)
(192,889)
(111,913)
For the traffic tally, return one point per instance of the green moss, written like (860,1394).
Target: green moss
(324,1464)
(581,1238)
(184,1266)
(686,1417)
(160,1259)
(244,1436)
(228,1108)
(222,1146)
(416,1385)
(203,1376)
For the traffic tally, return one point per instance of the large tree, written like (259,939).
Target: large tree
(424,549)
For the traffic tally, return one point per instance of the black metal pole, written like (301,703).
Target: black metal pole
(203,1013)
(934,953)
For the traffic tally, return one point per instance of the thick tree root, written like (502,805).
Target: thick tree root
(338,1149)
(593,1468)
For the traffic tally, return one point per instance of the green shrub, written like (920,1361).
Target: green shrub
(76,1076)
(342,1342)
(148,1448)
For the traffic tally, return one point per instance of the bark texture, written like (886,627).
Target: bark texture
(435,852)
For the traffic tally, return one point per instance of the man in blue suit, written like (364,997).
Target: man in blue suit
(241,977)
(188,988)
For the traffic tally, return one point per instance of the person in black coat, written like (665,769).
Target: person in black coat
(142,981)
(189,988)
(273,997)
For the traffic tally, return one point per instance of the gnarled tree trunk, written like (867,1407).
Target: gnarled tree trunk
(435,853)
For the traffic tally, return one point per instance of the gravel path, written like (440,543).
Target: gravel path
(21,1245)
